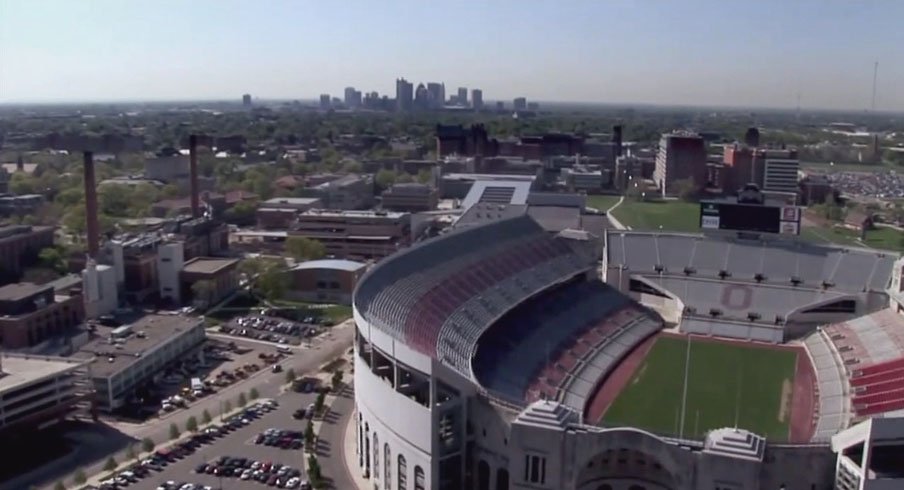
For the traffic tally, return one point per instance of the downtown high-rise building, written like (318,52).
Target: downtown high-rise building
(463,96)
(519,104)
(682,156)
(477,99)
(352,98)
(436,94)
(404,95)
(246,100)
(325,101)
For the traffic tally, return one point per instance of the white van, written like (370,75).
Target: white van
(284,349)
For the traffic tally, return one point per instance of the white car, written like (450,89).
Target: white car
(245,475)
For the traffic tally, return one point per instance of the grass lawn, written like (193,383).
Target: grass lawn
(335,313)
(670,215)
(602,203)
(882,238)
(723,380)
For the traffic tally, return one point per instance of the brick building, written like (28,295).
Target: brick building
(325,281)
(410,198)
(19,247)
(356,235)
(31,314)
(219,274)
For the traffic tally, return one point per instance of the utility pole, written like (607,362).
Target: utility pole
(875,76)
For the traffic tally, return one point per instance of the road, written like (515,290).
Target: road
(331,450)
(269,385)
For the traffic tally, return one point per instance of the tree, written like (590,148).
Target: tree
(170,191)
(404,178)
(205,417)
(385,178)
(242,400)
(173,432)
(302,248)
(191,424)
(147,444)
(336,380)
(110,464)
(79,477)
(290,375)
(425,176)
(686,189)
(114,199)
(254,394)
(309,435)
(273,281)
(227,406)
(59,486)
(22,183)
(131,453)
(319,402)
(52,258)
(202,291)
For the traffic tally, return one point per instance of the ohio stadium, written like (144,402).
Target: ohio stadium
(501,356)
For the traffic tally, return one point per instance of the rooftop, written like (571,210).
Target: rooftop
(208,265)
(353,214)
(147,333)
(291,200)
(21,290)
(19,370)
(338,264)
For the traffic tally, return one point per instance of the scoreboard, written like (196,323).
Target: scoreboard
(758,218)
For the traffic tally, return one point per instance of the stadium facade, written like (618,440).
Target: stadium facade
(476,353)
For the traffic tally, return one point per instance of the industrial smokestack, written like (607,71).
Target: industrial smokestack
(92,226)
(193,169)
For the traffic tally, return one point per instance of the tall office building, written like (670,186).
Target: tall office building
(352,98)
(421,98)
(780,174)
(477,98)
(752,137)
(436,93)
(745,165)
(463,96)
(325,101)
(246,100)
(404,95)
(520,104)
(681,156)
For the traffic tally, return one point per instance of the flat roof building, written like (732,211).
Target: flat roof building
(31,314)
(17,244)
(127,357)
(37,390)
(325,281)
(410,197)
(356,235)
(218,278)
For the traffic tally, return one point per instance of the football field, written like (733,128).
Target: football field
(728,385)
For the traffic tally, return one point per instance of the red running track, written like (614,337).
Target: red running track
(616,381)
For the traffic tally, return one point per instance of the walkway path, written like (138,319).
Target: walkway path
(612,219)
(336,444)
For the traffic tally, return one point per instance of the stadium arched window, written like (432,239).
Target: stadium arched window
(483,475)
(387,466)
(376,457)
(419,478)
(403,473)
(502,479)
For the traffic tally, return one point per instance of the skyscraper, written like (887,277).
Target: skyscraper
(520,104)
(477,98)
(463,96)
(352,98)
(421,98)
(246,100)
(404,95)
(436,93)
(752,137)
(325,101)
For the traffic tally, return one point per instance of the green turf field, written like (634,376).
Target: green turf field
(721,377)
(670,215)
(602,203)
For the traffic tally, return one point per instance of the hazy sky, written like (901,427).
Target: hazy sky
(718,52)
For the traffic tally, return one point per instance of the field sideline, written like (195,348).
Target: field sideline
(728,384)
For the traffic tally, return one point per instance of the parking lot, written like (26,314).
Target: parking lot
(271,329)
(236,444)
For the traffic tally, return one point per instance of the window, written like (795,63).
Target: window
(403,473)
(387,467)
(376,456)
(418,478)
(483,475)
(535,469)
(502,479)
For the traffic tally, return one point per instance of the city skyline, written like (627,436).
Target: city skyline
(656,53)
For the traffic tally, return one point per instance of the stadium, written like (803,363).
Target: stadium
(501,356)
